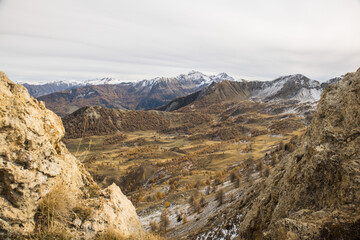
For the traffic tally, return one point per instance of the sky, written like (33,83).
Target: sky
(49,40)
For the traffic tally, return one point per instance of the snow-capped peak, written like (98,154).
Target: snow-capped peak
(221,77)
(101,81)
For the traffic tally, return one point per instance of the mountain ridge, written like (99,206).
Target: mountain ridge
(44,88)
(292,87)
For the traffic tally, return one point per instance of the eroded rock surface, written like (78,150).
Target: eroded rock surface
(34,161)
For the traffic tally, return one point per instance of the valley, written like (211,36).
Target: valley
(216,164)
(179,120)
(181,165)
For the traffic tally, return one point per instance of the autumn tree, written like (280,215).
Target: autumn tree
(274,159)
(220,197)
(185,219)
(266,171)
(164,220)
(159,195)
(202,202)
(154,226)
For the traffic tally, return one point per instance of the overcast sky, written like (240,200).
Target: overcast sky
(46,40)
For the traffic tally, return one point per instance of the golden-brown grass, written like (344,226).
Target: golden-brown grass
(55,208)
(113,234)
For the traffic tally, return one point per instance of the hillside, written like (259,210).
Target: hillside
(89,121)
(224,91)
(314,193)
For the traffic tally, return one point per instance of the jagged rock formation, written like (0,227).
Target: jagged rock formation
(35,163)
(314,193)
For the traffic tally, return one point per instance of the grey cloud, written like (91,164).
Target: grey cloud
(138,39)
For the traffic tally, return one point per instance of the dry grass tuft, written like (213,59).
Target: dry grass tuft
(110,234)
(55,208)
(113,234)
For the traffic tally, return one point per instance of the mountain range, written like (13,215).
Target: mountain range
(157,92)
(40,89)
(297,88)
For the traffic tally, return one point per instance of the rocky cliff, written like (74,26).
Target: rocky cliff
(42,186)
(313,193)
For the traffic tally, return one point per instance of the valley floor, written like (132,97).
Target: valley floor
(182,174)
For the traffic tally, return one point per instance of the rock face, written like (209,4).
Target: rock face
(34,163)
(314,193)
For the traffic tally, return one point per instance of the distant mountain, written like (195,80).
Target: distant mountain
(293,87)
(195,77)
(215,93)
(41,89)
(145,94)
(37,90)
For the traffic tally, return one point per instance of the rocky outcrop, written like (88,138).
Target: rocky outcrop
(314,193)
(35,164)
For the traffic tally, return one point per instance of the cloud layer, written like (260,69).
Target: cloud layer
(138,39)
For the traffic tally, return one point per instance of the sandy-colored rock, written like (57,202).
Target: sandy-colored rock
(33,160)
